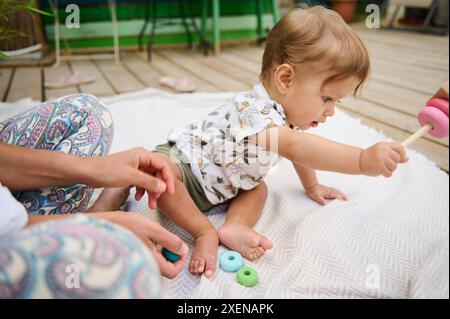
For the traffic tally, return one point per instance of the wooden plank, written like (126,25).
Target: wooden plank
(229,69)
(209,75)
(410,40)
(100,87)
(403,100)
(405,76)
(387,116)
(398,55)
(420,80)
(430,46)
(144,71)
(412,69)
(251,53)
(53,74)
(244,63)
(168,68)
(435,152)
(5,78)
(27,82)
(118,76)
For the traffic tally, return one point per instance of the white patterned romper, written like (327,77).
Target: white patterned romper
(221,157)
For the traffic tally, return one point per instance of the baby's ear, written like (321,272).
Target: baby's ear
(284,76)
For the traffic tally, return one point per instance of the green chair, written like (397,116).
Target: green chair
(216,19)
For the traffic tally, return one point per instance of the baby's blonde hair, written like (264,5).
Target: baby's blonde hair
(318,35)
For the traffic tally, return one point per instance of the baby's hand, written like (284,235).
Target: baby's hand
(382,159)
(321,193)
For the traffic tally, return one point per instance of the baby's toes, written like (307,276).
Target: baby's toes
(265,243)
(199,266)
(256,253)
(192,265)
(210,267)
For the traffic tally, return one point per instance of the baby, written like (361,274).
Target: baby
(311,60)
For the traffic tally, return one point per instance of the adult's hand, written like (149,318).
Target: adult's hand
(23,169)
(154,236)
(145,170)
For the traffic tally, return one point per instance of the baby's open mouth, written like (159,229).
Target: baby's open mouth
(314,123)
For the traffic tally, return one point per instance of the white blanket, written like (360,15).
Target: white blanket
(389,240)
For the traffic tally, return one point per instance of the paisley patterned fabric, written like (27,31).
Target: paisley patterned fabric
(79,257)
(75,124)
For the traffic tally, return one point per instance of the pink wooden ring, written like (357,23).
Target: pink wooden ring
(440,104)
(435,117)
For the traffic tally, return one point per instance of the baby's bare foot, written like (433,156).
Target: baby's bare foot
(110,199)
(204,256)
(244,240)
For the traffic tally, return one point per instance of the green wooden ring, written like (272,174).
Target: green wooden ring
(247,277)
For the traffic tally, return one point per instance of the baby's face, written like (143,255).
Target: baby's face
(307,103)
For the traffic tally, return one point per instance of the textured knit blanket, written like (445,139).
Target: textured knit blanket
(390,240)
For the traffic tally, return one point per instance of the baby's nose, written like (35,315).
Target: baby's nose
(329,112)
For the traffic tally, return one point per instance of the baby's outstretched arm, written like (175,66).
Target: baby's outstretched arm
(322,154)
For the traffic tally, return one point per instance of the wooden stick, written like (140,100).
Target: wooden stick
(420,132)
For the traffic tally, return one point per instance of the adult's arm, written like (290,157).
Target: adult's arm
(22,169)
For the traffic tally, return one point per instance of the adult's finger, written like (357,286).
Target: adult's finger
(153,197)
(165,238)
(150,183)
(153,200)
(159,163)
(168,269)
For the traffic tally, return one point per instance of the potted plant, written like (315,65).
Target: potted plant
(346,8)
(7,9)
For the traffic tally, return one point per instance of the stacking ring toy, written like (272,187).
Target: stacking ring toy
(170,256)
(440,104)
(247,277)
(434,120)
(231,261)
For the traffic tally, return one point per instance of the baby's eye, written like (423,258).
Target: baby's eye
(326,99)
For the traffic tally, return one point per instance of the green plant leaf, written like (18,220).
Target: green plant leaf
(41,12)
(4,56)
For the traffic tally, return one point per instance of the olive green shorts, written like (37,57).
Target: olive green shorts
(189,180)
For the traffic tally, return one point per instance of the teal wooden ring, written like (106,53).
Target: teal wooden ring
(247,277)
(170,256)
(231,261)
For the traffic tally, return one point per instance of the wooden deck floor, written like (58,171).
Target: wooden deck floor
(407,69)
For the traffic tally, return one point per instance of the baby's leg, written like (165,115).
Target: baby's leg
(110,199)
(181,209)
(237,233)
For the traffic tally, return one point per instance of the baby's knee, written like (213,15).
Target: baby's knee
(262,191)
